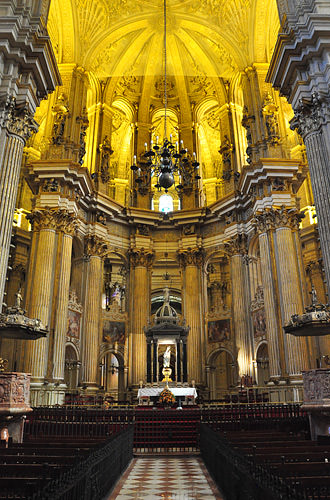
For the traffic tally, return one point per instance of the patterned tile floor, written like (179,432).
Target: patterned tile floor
(166,478)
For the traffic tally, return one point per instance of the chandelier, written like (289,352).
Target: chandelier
(167,160)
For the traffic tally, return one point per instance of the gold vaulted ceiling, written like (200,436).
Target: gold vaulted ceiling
(123,38)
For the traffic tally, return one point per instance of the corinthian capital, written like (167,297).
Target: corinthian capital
(141,257)
(237,245)
(53,218)
(191,257)
(95,247)
(17,119)
(310,115)
(276,218)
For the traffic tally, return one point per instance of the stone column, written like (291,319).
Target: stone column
(237,249)
(141,261)
(282,285)
(275,334)
(95,250)
(312,123)
(16,126)
(191,261)
(39,292)
(67,229)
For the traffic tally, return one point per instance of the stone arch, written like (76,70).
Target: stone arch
(222,373)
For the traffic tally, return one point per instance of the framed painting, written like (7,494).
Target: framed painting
(218,330)
(114,331)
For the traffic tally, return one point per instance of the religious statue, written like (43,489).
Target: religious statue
(167,357)
(19,299)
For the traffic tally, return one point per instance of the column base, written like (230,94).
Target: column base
(47,394)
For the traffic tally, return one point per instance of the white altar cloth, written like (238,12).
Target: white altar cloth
(177,391)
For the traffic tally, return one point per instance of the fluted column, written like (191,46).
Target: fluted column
(191,261)
(16,126)
(236,247)
(40,291)
(141,261)
(281,279)
(275,335)
(312,122)
(95,250)
(64,250)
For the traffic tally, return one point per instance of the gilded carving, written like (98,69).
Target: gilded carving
(95,247)
(270,112)
(105,152)
(191,257)
(84,122)
(50,185)
(55,219)
(61,112)
(276,218)
(237,245)
(17,118)
(141,257)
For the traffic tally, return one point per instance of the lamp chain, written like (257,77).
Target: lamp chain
(165,72)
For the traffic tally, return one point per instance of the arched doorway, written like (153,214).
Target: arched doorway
(223,374)
(112,375)
(71,367)
(262,361)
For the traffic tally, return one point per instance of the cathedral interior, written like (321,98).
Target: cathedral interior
(236,236)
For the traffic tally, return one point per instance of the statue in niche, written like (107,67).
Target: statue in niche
(84,122)
(270,111)
(226,150)
(246,124)
(105,152)
(61,112)
(167,356)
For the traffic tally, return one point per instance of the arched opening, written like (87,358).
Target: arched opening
(165,203)
(223,374)
(262,361)
(71,368)
(112,375)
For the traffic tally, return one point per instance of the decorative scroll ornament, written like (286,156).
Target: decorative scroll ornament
(237,245)
(95,247)
(17,119)
(141,257)
(258,301)
(73,304)
(276,218)
(191,257)
(309,116)
(55,219)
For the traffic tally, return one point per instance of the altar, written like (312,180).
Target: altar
(188,394)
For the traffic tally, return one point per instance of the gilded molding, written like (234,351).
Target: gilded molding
(17,119)
(55,219)
(237,245)
(141,257)
(276,218)
(191,257)
(95,247)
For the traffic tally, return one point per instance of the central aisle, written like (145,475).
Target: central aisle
(166,478)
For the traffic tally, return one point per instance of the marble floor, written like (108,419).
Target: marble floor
(166,478)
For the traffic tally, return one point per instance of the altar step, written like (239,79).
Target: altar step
(164,478)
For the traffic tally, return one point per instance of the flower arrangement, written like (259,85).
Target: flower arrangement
(166,397)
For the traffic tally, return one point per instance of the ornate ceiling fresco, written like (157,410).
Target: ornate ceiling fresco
(205,37)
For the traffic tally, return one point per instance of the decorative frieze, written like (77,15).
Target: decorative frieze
(17,119)
(55,219)
(191,257)
(14,393)
(141,257)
